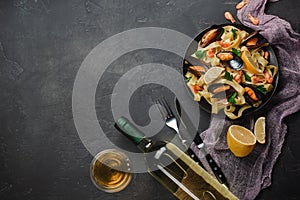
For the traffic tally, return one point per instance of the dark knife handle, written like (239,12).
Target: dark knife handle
(216,170)
(213,165)
(193,156)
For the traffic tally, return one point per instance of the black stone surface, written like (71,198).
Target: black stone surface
(43,43)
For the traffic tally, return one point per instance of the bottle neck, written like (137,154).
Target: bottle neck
(145,144)
(148,145)
(137,136)
(126,127)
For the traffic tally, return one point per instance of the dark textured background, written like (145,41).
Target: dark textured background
(43,44)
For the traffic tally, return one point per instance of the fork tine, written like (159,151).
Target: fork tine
(167,107)
(161,109)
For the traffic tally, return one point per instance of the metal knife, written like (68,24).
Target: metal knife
(200,145)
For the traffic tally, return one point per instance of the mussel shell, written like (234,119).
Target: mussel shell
(197,72)
(258,93)
(251,35)
(235,63)
(225,90)
(195,61)
(191,61)
(258,46)
(211,36)
(213,86)
(223,94)
(225,55)
(248,99)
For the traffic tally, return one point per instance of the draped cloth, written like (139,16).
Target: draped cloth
(249,175)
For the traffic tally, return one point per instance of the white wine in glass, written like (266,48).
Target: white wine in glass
(110,170)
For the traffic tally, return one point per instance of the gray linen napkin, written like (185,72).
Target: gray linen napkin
(247,176)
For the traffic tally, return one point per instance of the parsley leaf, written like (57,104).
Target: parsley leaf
(232,99)
(262,89)
(200,54)
(188,79)
(236,52)
(247,77)
(234,33)
(228,76)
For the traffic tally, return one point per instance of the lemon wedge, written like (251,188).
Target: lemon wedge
(212,74)
(249,63)
(260,130)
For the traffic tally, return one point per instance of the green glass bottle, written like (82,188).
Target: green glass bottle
(174,169)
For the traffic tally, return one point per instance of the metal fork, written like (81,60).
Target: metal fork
(169,117)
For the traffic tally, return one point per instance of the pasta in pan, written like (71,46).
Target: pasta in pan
(230,70)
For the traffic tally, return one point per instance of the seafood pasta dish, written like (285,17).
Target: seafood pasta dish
(231,70)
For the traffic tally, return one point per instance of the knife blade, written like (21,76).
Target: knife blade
(200,144)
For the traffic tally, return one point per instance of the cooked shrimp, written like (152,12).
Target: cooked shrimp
(229,17)
(254,20)
(196,88)
(210,53)
(238,77)
(257,79)
(241,5)
(224,44)
(266,55)
(252,41)
(269,77)
(251,93)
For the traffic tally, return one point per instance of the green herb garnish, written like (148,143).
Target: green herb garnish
(247,77)
(262,89)
(232,99)
(200,54)
(236,52)
(188,79)
(228,76)
(234,33)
